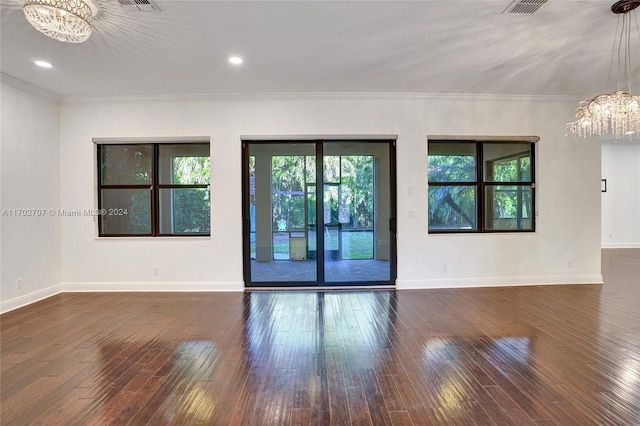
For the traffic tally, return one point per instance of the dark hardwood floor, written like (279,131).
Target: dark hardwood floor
(538,355)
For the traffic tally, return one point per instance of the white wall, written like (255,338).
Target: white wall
(564,249)
(621,202)
(29,170)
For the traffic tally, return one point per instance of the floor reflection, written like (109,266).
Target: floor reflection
(452,375)
(195,362)
(313,342)
(353,325)
(525,355)
(177,373)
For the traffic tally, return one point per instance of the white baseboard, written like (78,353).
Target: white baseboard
(498,281)
(152,286)
(620,245)
(27,299)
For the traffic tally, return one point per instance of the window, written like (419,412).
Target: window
(481,186)
(154,189)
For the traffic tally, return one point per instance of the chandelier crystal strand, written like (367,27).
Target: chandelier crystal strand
(63,20)
(615,113)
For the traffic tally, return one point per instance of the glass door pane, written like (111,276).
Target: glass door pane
(319,213)
(282,187)
(312,245)
(357,212)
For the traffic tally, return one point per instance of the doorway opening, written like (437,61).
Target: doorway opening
(298,235)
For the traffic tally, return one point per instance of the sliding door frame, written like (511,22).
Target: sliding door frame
(320,252)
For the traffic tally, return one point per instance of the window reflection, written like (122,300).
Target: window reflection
(178,373)
(447,367)
(319,324)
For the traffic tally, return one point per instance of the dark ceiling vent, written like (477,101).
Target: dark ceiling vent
(139,5)
(524,6)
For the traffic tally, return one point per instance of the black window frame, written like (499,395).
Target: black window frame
(481,184)
(154,187)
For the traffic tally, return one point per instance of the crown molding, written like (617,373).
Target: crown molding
(75,100)
(204,97)
(16,83)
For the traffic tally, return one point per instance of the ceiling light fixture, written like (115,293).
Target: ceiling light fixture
(235,60)
(613,113)
(43,64)
(62,20)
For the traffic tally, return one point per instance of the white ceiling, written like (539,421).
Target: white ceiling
(427,46)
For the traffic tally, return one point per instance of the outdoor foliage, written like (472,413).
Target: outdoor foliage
(454,206)
(288,180)
(132,165)
(358,182)
(191,170)
(191,206)
(126,165)
(348,200)
(348,185)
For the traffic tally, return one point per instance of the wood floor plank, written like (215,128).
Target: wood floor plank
(300,416)
(358,407)
(538,355)
(400,418)
(514,411)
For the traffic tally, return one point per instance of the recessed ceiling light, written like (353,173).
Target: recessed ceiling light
(235,60)
(43,64)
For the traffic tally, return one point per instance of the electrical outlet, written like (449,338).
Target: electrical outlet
(156,271)
(18,283)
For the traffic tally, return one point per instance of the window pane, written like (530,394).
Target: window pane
(126,211)
(357,244)
(525,169)
(288,173)
(507,162)
(356,207)
(310,169)
(332,169)
(126,164)
(452,208)
(311,205)
(184,164)
(288,198)
(331,239)
(288,211)
(184,211)
(452,162)
(330,204)
(281,246)
(252,245)
(508,207)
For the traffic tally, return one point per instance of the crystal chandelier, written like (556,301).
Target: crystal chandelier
(62,20)
(615,113)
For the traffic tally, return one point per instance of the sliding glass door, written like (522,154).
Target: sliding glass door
(298,235)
